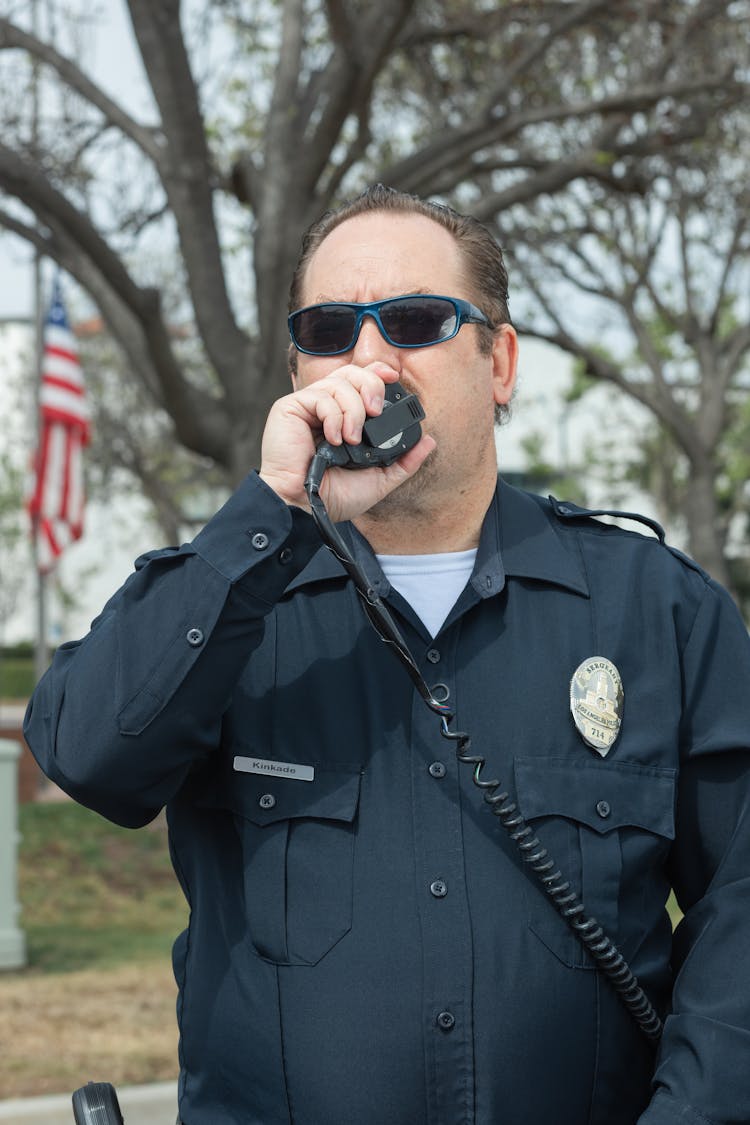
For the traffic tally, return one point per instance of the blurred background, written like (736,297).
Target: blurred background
(159,164)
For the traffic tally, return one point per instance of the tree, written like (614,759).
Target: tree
(489,104)
(660,290)
(132,442)
(15,547)
(14,550)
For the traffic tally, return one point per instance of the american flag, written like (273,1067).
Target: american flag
(57,502)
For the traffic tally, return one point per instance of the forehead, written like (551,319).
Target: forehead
(382,255)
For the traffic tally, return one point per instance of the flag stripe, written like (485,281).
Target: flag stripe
(62,384)
(61,367)
(63,399)
(57,503)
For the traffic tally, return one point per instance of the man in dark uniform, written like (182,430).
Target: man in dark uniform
(365,945)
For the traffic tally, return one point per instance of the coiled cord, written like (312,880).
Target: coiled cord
(601,948)
(599,945)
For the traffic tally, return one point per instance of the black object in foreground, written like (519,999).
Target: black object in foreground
(97,1104)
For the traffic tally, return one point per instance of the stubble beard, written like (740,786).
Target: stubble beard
(410,498)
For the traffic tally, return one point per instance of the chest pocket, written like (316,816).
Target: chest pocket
(608,829)
(297,840)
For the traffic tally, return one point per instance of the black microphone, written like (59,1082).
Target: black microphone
(385,438)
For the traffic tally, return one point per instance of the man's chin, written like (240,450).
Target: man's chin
(411,495)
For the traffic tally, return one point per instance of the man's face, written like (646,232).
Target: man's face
(381,255)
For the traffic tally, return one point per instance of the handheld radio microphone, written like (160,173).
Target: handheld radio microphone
(384,438)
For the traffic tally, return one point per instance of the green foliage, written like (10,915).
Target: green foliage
(22,650)
(580,382)
(13,549)
(16,676)
(542,476)
(94,894)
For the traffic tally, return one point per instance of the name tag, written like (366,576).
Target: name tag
(274,769)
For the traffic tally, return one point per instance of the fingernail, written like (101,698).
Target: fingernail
(377,403)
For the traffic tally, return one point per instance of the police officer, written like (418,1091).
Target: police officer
(365,943)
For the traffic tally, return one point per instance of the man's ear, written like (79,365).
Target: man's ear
(504,363)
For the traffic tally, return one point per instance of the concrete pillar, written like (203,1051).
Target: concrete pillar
(12,938)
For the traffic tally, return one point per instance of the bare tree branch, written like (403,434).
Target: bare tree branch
(73,237)
(414,173)
(188,178)
(12,36)
(531,107)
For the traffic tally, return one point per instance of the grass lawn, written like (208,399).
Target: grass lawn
(101,908)
(16,676)
(95,895)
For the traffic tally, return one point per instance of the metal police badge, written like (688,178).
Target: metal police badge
(596,699)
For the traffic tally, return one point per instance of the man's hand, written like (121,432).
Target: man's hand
(334,408)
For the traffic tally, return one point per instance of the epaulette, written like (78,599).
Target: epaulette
(567,510)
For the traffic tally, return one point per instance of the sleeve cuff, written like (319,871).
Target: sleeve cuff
(256,528)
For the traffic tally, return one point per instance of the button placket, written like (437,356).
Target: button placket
(443,901)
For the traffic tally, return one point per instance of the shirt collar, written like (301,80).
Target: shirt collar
(530,541)
(519,539)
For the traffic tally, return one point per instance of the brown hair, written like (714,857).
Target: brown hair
(483,257)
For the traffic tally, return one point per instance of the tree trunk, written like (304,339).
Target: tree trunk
(706,531)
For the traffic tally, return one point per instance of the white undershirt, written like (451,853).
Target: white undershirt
(429,583)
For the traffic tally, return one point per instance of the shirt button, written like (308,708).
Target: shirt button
(603,808)
(438,888)
(446,1020)
(437,769)
(285,556)
(267,801)
(441,693)
(564,510)
(259,540)
(433,655)
(194,637)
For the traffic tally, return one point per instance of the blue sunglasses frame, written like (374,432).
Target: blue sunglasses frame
(464,313)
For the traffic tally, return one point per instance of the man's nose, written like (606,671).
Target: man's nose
(371,345)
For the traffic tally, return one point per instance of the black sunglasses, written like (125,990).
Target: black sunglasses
(415,321)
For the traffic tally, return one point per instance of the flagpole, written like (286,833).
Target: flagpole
(41,652)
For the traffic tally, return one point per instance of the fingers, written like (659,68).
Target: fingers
(340,403)
(335,407)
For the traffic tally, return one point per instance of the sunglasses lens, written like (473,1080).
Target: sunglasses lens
(415,321)
(324,331)
(408,322)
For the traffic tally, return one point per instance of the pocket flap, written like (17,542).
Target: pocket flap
(333,794)
(606,796)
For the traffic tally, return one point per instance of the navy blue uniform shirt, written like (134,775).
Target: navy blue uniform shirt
(364,946)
